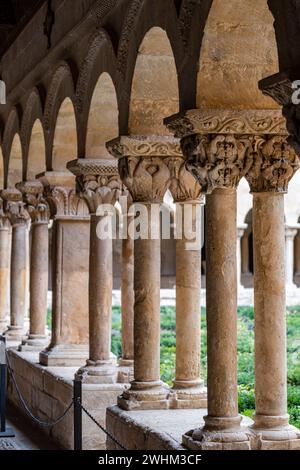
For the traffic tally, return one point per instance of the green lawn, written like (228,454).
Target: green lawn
(245,354)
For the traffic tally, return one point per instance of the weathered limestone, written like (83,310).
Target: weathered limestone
(290,234)
(188,390)
(4,268)
(143,170)
(217,157)
(39,212)
(19,219)
(71,229)
(240,233)
(99,184)
(276,163)
(127,300)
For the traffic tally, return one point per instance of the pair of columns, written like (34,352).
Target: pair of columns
(21,205)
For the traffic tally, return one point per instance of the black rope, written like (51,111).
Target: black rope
(25,406)
(102,428)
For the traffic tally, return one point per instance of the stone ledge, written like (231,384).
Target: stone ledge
(49,390)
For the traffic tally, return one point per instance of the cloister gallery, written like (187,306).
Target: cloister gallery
(186,102)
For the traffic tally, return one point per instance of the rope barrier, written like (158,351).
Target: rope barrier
(75,402)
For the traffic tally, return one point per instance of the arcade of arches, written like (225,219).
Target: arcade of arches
(187,103)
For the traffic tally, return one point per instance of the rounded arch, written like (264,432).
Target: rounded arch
(155,91)
(103,121)
(61,89)
(12,127)
(65,137)
(15,163)
(33,111)
(238,50)
(36,161)
(100,59)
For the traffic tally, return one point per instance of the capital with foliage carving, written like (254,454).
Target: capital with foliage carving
(14,207)
(98,181)
(4,221)
(35,202)
(273,164)
(143,165)
(183,186)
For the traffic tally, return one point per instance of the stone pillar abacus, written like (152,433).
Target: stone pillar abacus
(144,171)
(70,279)
(99,184)
(19,219)
(188,390)
(275,164)
(4,268)
(39,213)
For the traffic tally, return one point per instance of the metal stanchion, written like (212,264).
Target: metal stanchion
(77,415)
(4,431)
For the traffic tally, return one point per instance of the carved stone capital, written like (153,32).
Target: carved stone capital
(218,121)
(216,161)
(4,221)
(273,162)
(35,202)
(183,186)
(98,181)
(64,202)
(14,207)
(143,165)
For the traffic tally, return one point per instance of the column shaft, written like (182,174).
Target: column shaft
(4,277)
(269,298)
(127,300)
(38,279)
(221,301)
(18,279)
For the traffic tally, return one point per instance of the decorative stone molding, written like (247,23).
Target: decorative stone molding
(143,165)
(14,207)
(216,161)
(218,121)
(64,202)
(98,181)
(273,162)
(4,221)
(36,205)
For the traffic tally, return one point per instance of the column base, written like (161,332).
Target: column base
(188,395)
(15,333)
(64,355)
(34,343)
(219,434)
(275,433)
(145,396)
(98,372)
(125,371)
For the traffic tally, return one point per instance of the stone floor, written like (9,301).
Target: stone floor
(26,437)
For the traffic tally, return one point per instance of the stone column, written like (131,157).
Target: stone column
(145,173)
(290,234)
(217,157)
(39,212)
(275,164)
(99,184)
(188,390)
(4,268)
(127,298)
(240,233)
(71,229)
(19,218)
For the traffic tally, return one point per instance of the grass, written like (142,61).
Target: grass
(245,355)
